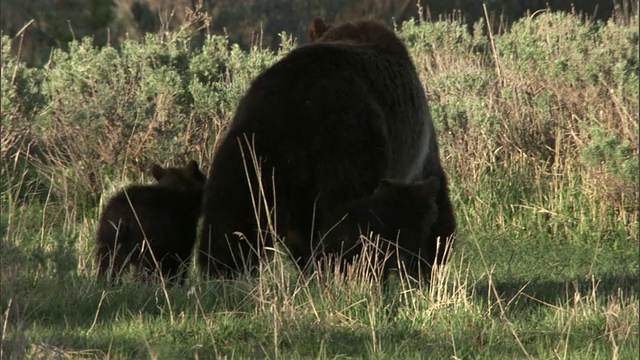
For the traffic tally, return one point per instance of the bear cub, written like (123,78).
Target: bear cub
(166,214)
(369,33)
(401,214)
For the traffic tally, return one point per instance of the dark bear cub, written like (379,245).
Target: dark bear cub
(370,33)
(402,215)
(152,227)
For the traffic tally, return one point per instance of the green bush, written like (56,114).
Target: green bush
(21,93)
(558,95)
(99,111)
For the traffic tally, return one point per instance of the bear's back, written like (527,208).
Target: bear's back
(389,80)
(320,92)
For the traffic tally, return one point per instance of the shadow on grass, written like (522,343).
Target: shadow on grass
(535,293)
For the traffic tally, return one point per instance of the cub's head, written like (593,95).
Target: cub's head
(401,214)
(372,33)
(188,178)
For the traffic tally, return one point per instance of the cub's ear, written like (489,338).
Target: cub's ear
(194,171)
(193,168)
(316,28)
(425,189)
(157,171)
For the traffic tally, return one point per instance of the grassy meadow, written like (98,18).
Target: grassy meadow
(538,129)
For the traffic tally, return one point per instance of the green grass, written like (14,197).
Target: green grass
(540,141)
(513,307)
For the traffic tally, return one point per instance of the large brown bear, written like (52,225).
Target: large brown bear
(317,130)
(166,214)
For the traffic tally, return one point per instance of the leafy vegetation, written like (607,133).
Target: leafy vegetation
(539,133)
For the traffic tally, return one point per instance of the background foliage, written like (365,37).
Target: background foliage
(54,23)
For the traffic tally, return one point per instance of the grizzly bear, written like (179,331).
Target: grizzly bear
(320,128)
(152,227)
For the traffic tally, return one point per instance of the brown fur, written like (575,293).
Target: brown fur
(326,124)
(370,33)
(165,213)
(402,215)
